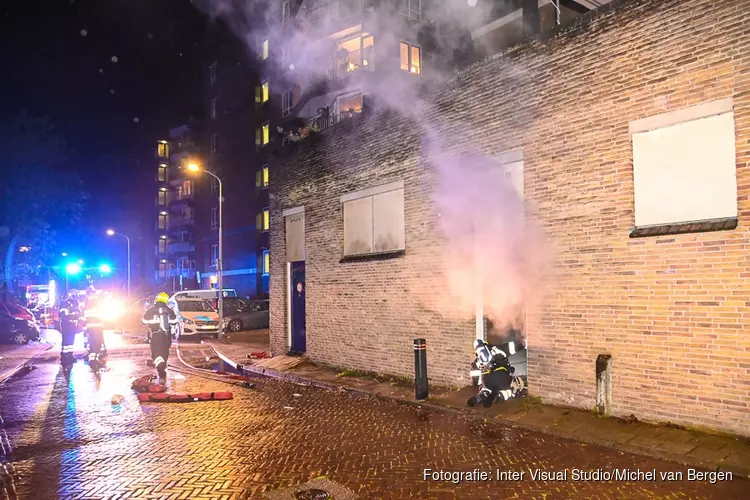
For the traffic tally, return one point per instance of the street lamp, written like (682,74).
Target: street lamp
(112,232)
(194,167)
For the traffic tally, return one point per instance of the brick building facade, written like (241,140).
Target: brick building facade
(589,111)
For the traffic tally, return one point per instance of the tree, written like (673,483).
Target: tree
(38,198)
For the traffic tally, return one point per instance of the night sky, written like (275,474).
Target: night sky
(113,75)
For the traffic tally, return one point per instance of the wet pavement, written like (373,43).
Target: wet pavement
(71,441)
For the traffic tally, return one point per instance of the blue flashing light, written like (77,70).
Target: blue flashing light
(105,269)
(73,268)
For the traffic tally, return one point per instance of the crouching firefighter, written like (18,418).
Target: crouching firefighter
(95,333)
(69,314)
(160,318)
(492,371)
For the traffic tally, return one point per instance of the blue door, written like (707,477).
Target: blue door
(299,338)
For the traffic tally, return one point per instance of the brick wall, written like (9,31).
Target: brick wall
(672,311)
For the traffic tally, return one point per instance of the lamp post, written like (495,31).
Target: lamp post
(112,232)
(193,167)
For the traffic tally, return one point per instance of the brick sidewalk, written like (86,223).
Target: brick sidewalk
(685,446)
(12,357)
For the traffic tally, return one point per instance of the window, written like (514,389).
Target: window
(264,92)
(263,134)
(214,218)
(214,143)
(163,221)
(214,255)
(374,220)
(162,149)
(685,170)
(187,188)
(264,49)
(265,176)
(354,54)
(214,76)
(287,102)
(411,9)
(266,219)
(213,108)
(162,173)
(161,200)
(266,262)
(411,58)
(286,10)
(349,105)
(162,248)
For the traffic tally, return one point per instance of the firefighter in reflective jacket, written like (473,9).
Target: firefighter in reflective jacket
(495,373)
(160,318)
(69,314)
(95,332)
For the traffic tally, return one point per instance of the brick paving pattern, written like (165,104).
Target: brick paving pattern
(72,442)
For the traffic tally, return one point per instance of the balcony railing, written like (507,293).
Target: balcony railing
(182,271)
(353,62)
(181,247)
(175,222)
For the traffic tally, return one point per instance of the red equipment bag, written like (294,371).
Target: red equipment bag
(232,376)
(144,384)
(184,398)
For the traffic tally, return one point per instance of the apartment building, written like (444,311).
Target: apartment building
(176,207)
(231,115)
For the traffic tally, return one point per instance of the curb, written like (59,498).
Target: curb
(622,447)
(26,363)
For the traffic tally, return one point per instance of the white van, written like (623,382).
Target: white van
(203,294)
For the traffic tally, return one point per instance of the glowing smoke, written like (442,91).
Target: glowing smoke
(493,253)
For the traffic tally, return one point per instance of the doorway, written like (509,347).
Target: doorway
(297,309)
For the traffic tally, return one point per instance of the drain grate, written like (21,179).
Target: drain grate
(313,494)
(317,489)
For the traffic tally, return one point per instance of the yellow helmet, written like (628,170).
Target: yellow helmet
(162,297)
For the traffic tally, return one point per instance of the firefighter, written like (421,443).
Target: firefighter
(160,318)
(69,314)
(496,379)
(95,333)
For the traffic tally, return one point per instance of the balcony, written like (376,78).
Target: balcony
(178,222)
(176,272)
(181,247)
(350,62)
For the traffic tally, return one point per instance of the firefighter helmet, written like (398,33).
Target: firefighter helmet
(162,297)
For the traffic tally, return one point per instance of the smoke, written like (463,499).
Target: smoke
(494,254)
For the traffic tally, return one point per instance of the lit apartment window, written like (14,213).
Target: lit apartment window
(266,219)
(265,176)
(265,91)
(266,262)
(355,54)
(349,104)
(163,221)
(162,246)
(161,200)
(212,72)
(162,173)
(411,9)
(213,108)
(214,143)
(187,188)
(266,133)
(264,50)
(287,102)
(214,218)
(162,149)
(214,255)
(411,58)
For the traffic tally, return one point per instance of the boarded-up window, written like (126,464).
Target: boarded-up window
(374,220)
(295,237)
(684,165)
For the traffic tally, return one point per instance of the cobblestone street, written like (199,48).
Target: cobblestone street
(71,441)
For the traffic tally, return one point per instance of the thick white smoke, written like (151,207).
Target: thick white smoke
(493,253)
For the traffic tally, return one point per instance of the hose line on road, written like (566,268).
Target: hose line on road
(205,374)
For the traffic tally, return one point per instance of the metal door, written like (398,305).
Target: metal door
(299,339)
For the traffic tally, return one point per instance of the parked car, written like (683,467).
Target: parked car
(203,294)
(196,317)
(241,315)
(16,311)
(18,331)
